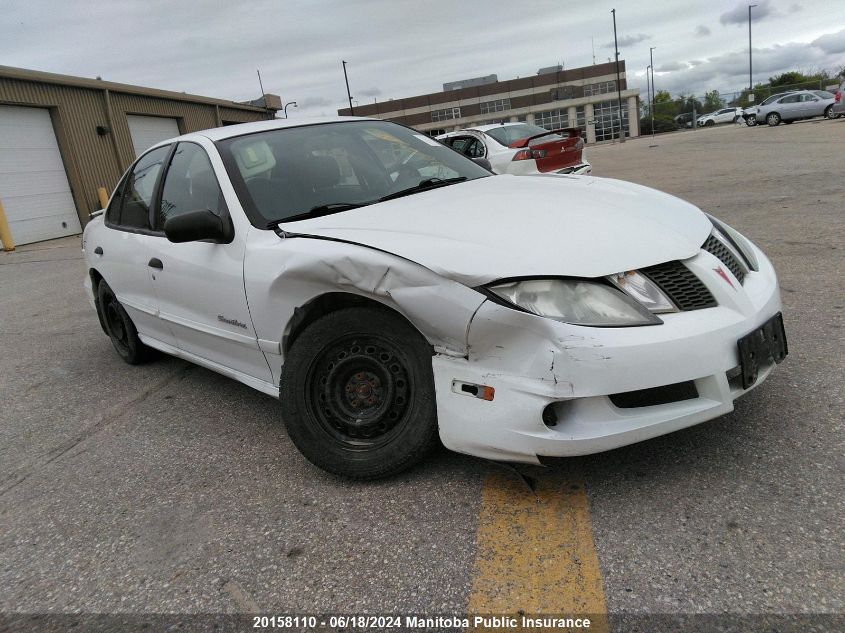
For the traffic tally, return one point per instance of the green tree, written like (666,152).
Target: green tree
(712,101)
(686,104)
(663,104)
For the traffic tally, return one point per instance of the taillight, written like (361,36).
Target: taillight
(837,97)
(523,154)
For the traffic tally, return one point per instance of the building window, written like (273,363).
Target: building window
(601,88)
(552,119)
(606,115)
(562,92)
(499,105)
(581,121)
(445,114)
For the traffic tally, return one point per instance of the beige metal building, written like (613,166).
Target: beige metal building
(62,137)
(554,98)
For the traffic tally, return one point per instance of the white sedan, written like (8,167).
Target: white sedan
(725,115)
(391,292)
(522,149)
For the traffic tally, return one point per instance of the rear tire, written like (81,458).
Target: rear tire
(357,394)
(121,330)
(773,119)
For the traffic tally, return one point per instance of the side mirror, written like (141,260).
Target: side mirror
(201,225)
(484,163)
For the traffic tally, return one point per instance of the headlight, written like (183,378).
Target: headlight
(575,301)
(643,290)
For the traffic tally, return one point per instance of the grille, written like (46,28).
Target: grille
(680,284)
(655,396)
(714,246)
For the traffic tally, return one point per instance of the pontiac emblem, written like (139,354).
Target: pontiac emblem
(724,276)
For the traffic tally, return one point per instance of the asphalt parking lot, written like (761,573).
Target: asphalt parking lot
(166,488)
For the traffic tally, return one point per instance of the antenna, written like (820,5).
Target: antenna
(259,81)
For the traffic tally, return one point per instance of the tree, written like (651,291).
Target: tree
(687,103)
(712,101)
(663,103)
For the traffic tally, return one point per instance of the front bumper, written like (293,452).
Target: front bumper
(533,362)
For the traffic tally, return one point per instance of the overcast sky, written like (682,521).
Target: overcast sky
(398,48)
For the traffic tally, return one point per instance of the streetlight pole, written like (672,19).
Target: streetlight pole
(348,94)
(289,103)
(653,89)
(618,80)
(650,102)
(750,81)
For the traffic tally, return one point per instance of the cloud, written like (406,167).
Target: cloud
(315,102)
(671,67)
(702,31)
(739,14)
(629,40)
(370,92)
(831,43)
(795,8)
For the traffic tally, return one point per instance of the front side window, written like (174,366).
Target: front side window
(790,99)
(138,189)
(329,168)
(190,185)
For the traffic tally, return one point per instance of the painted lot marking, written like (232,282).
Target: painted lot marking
(535,550)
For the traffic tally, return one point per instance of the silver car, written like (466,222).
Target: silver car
(802,104)
(839,102)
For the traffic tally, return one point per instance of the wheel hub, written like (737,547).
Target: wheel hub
(361,390)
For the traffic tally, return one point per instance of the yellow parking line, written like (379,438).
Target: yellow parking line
(535,550)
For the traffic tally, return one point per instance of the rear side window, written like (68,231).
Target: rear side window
(132,210)
(190,185)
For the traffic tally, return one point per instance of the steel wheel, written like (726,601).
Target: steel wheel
(119,327)
(360,391)
(357,393)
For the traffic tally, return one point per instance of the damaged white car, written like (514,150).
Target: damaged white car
(391,292)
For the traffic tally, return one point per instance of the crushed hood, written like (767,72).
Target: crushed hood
(518,226)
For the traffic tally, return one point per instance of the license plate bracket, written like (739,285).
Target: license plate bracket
(766,343)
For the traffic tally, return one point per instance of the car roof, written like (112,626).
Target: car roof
(230,131)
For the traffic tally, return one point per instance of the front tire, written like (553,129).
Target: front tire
(710,123)
(357,394)
(119,327)
(773,119)
(752,120)
(828,112)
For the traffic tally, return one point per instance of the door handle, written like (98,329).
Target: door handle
(155,262)
(98,250)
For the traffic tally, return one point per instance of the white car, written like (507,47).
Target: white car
(725,115)
(513,318)
(522,149)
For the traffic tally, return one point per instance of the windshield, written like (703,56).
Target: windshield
(330,168)
(507,134)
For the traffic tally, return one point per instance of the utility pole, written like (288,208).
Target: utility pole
(618,80)
(750,81)
(650,102)
(348,94)
(653,89)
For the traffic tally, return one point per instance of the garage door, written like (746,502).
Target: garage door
(146,131)
(33,184)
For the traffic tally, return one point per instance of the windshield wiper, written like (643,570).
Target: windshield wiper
(318,211)
(423,185)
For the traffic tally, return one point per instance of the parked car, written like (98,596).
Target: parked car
(522,148)
(684,119)
(513,318)
(801,104)
(750,113)
(725,115)
(839,102)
